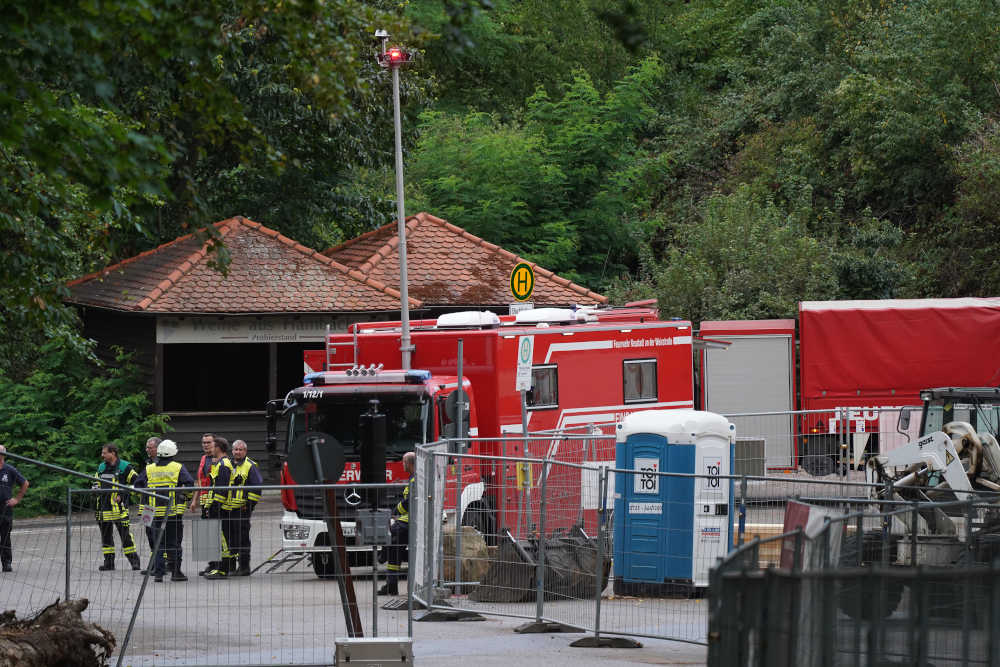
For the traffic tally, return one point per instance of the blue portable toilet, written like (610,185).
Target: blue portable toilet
(672,529)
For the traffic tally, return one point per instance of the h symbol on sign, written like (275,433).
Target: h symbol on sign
(522,281)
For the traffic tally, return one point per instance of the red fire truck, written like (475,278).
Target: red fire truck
(587,366)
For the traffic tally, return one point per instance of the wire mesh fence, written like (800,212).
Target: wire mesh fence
(554,529)
(288,610)
(567,542)
(858,587)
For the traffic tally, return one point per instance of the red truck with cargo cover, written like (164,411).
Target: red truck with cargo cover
(860,357)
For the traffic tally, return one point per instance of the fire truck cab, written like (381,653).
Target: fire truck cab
(415,408)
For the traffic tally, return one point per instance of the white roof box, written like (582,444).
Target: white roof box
(680,425)
(469,319)
(550,315)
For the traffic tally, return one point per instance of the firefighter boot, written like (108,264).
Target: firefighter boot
(391,586)
(133,560)
(222,570)
(244,567)
(175,572)
(109,563)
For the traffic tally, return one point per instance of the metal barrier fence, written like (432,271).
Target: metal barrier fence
(288,611)
(854,591)
(555,542)
(539,539)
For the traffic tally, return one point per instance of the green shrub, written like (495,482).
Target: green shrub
(64,411)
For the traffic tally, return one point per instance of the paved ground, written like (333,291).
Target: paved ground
(291,617)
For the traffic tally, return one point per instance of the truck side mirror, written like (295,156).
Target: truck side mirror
(271,434)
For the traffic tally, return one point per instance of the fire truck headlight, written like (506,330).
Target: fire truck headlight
(295,531)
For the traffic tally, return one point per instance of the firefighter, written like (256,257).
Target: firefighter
(165,473)
(220,476)
(399,529)
(238,507)
(200,497)
(113,507)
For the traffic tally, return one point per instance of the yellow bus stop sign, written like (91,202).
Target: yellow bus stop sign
(522,281)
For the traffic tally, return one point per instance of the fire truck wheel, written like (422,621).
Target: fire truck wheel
(479,515)
(322,562)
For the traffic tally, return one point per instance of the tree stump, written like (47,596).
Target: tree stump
(57,635)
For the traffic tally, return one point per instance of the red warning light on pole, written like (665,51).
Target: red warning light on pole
(393,57)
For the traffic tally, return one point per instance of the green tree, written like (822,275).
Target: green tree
(120,120)
(561,188)
(743,258)
(65,410)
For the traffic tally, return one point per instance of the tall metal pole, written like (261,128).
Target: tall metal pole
(404,299)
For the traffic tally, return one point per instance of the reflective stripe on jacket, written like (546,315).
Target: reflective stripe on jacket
(221,473)
(247,477)
(113,505)
(165,476)
(402,510)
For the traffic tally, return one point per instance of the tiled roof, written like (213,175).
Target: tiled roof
(448,266)
(268,273)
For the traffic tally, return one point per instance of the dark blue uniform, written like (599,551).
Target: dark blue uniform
(9,479)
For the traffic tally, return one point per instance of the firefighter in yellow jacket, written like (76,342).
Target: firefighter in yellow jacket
(235,493)
(165,473)
(113,507)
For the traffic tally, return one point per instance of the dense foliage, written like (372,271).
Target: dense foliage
(618,143)
(783,150)
(726,156)
(64,411)
(124,124)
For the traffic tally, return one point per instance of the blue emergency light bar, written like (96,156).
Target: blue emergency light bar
(367,374)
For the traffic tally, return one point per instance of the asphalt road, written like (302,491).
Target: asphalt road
(289,616)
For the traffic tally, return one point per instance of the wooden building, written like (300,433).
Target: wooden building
(214,348)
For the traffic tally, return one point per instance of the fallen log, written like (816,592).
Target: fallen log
(57,635)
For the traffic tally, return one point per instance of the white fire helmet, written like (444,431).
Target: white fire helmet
(167,448)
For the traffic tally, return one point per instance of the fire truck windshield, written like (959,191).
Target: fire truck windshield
(407,420)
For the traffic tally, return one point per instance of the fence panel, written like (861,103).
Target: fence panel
(856,604)
(283,613)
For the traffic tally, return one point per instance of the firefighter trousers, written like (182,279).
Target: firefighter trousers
(124,528)
(170,555)
(400,535)
(236,533)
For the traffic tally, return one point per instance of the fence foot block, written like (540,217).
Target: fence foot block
(441,615)
(606,642)
(535,627)
(394,604)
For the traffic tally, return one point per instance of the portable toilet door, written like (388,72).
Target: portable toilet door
(671,528)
